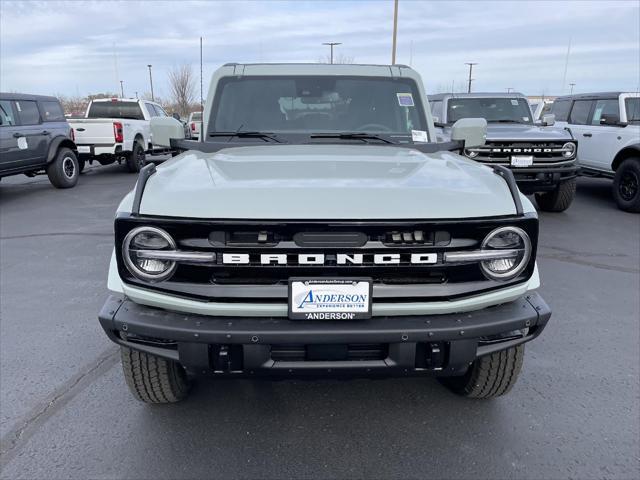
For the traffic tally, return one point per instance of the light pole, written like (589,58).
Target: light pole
(121,90)
(136,94)
(332,44)
(572,85)
(471,64)
(509,89)
(151,82)
(395,32)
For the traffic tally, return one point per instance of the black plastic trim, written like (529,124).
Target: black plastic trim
(144,175)
(507,174)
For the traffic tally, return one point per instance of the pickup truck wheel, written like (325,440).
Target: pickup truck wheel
(153,379)
(559,199)
(136,159)
(626,185)
(64,170)
(489,376)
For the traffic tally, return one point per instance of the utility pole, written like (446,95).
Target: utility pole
(201,104)
(509,89)
(121,90)
(151,82)
(471,64)
(395,32)
(332,44)
(572,85)
(136,94)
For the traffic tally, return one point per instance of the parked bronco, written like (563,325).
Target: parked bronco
(320,229)
(543,159)
(36,138)
(608,126)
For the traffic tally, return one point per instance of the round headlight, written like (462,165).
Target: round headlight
(470,153)
(517,242)
(569,150)
(143,239)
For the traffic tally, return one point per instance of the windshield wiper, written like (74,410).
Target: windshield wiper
(247,134)
(352,136)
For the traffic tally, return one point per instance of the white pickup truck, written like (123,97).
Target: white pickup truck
(117,129)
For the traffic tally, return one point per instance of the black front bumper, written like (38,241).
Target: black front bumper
(440,344)
(540,178)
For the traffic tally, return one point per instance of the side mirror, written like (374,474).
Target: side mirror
(176,116)
(610,119)
(163,129)
(472,131)
(548,120)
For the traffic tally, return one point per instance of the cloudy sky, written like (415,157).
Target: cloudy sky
(78,47)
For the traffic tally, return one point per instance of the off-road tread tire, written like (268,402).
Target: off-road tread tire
(131,159)
(153,379)
(54,170)
(558,200)
(489,376)
(632,206)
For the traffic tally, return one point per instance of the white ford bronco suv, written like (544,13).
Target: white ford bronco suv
(542,157)
(320,229)
(608,126)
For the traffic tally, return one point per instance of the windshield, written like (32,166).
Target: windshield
(633,109)
(196,116)
(494,110)
(318,104)
(115,109)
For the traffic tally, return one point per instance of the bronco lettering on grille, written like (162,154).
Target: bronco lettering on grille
(321,258)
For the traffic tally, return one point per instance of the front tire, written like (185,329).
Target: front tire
(559,199)
(489,376)
(63,172)
(153,379)
(626,185)
(136,159)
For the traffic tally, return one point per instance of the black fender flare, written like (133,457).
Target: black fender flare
(56,144)
(632,150)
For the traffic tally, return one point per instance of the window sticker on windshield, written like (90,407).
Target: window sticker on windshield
(405,100)
(514,102)
(419,136)
(18,106)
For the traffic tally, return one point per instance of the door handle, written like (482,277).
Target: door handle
(45,132)
(587,135)
(17,135)
(79,129)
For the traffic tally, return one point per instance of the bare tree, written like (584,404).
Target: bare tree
(74,105)
(182,84)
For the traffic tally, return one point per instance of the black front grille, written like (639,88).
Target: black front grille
(501,152)
(268,283)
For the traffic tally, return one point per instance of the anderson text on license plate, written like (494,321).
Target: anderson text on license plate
(522,160)
(330,299)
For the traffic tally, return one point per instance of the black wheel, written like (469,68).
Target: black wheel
(136,159)
(64,170)
(153,379)
(626,185)
(559,199)
(489,376)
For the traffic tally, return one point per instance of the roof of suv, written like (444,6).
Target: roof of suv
(320,69)
(590,96)
(441,96)
(27,96)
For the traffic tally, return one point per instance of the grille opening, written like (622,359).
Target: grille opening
(330,352)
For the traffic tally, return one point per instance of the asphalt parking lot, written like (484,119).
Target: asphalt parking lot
(65,411)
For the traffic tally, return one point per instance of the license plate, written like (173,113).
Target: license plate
(522,160)
(84,149)
(330,299)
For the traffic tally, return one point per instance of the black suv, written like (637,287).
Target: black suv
(35,137)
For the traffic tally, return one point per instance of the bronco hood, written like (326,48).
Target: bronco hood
(526,133)
(324,182)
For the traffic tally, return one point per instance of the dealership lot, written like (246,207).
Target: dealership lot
(65,410)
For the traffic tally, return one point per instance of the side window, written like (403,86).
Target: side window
(580,112)
(436,110)
(51,112)
(561,109)
(28,112)
(151,109)
(160,111)
(607,107)
(7,117)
